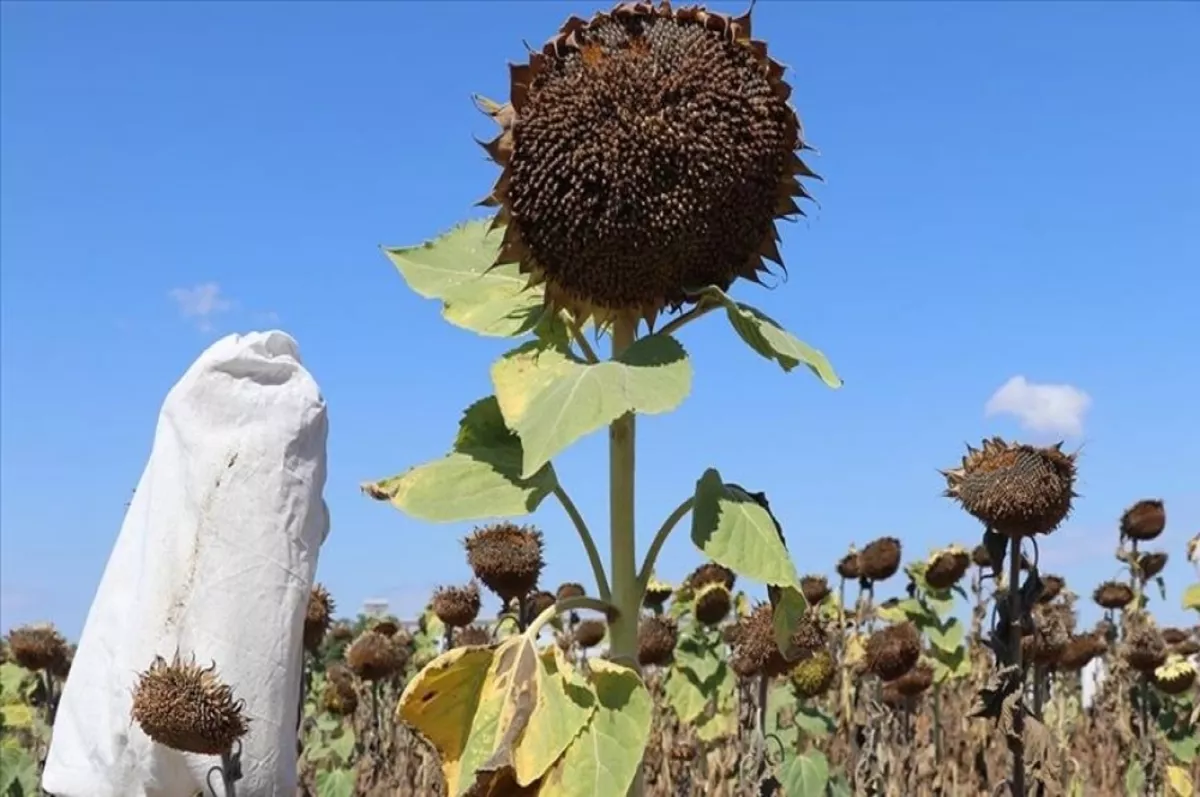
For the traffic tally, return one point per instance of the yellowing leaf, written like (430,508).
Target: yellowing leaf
(1191,597)
(855,651)
(603,759)
(456,268)
(507,704)
(1181,781)
(565,703)
(443,703)
(551,399)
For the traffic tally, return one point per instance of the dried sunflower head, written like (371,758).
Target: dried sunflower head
(1113,595)
(657,593)
(812,676)
(947,566)
(713,602)
(187,708)
(880,559)
(457,607)
(916,680)
(981,557)
(507,558)
(570,589)
(893,650)
(1145,650)
(1016,490)
(374,657)
(318,617)
(656,640)
(38,647)
(339,700)
(1144,521)
(710,573)
(537,603)
(646,153)
(589,633)
(848,567)
(1152,563)
(1176,676)
(1079,650)
(1052,587)
(472,635)
(815,589)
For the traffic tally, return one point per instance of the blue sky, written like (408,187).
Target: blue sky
(1011,199)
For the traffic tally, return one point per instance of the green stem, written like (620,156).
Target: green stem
(659,540)
(623,629)
(701,309)
(589,543)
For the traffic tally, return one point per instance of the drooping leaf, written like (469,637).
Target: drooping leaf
(550,398)
(1180,781)
(480,478)
(603,759)
(770,340)
(685,695)
(335,783)
(789,609)
(900,611)
(565,704)
(946,636)
(732,529)
(456,268)
(805,775)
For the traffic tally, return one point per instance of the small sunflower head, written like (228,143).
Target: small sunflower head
(813,675)
(39,647)
(1175,676)
(657,593)
(947,566)
(590,633)
(318,617)
(472,635)
(339,699)
(457,607)
(1113,595)
(537,603)
(388,626)
(1079,651)
(656,640)
(848,567)
(507,558)
(1144,521)
(187,708)
(711,573)
(570,589)
(916,680)
(374,657)
(1151,564)
(713,602)
(815,589)
(980,556)
(894,650)
(1173,636)
(1145,650)
(754,648)
(645,153)
(341,632)
(880,559)
(1015,489)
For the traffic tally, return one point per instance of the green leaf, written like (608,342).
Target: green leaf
(949,664)
(947,636)
(1135,778)
(696,656)
(788,611)
(551,398)
(763,334)
(335,783)
(456,268)
(733,530)
(1184,747)
(1191,597)
(18,772)
(815,724)
(342,743)
(603,758)
(805,775)
(722,721)
(480,478)
(685,694)
(941,602)
(778,698)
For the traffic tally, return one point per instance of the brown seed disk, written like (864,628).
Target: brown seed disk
(815,589)
(656,595)
(711,573)
(1144,521)
(1079,650)
(656,641)
(744,663)
(507,558)
(1017,490)
(341,675)
(946,568)
(713,603)
(756,643)
(340,702)
(472,635)
(893,651)
(374,657)
(1145,650)
(589,633)
(1151,564)
(915,681)
(1176,683)
(38,647)
(848,567)
(317,618)
(187,708)
(457,607)
(570,589)
(893,698)
(645,151)
(880,560)
(813,674)
(537,603)
(1173,636)
(1113,595)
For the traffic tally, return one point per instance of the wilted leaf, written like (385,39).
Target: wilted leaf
(456,268)
(770,340)
(565,704)
(480,478)
(550,398)
(603,759)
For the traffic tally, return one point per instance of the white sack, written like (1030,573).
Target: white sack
(215,558)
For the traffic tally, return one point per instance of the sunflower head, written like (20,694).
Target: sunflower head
(646,153)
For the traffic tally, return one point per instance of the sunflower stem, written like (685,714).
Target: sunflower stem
(589,543)
(659,540)
(1016,743)
(702,308)
(623,629)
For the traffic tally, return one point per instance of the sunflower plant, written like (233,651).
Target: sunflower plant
(645,156)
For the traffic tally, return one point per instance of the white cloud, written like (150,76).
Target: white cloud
(1057,409)
(201,303)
